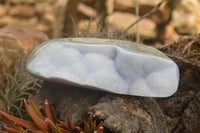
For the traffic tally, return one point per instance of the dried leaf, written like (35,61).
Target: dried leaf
(24,123)
(53,127)
(90,123)
(3,131)
(47,110)
(86,128)
(12,125)
(54,114)
(100,129)
(35,108)
(12,130)
(63,125)
(71,126)
(38,121)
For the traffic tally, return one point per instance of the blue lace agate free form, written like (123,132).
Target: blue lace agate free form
(115,66)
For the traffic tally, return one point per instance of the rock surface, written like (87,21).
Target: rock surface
(146,26)
(18,40)
(120,113)
(181,110)
(38,14)
(191,115)
(173,107)
(123,114)
(23,11)
(68,100)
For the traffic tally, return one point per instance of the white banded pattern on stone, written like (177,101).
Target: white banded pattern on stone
(115,66)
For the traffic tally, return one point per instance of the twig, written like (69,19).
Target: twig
(137,27)
(188,47)
(144,16)
(86,10)
(178,58)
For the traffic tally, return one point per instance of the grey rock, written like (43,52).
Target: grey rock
(68,100)
(191,114)
(126,114)
(174,105)
(182,110)
(121,114)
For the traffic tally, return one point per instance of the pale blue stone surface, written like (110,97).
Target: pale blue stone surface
(106,66)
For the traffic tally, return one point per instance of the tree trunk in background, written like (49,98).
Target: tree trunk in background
(71,15)
(101,8)
(60,7)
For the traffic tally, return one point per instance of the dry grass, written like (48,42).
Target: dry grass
(15,87)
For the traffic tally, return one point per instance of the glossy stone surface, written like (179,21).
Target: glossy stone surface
(115,66)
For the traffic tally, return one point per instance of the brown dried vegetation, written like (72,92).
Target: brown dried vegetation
(47,123)
(15,85)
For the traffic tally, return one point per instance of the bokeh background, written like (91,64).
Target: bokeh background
(54,17)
